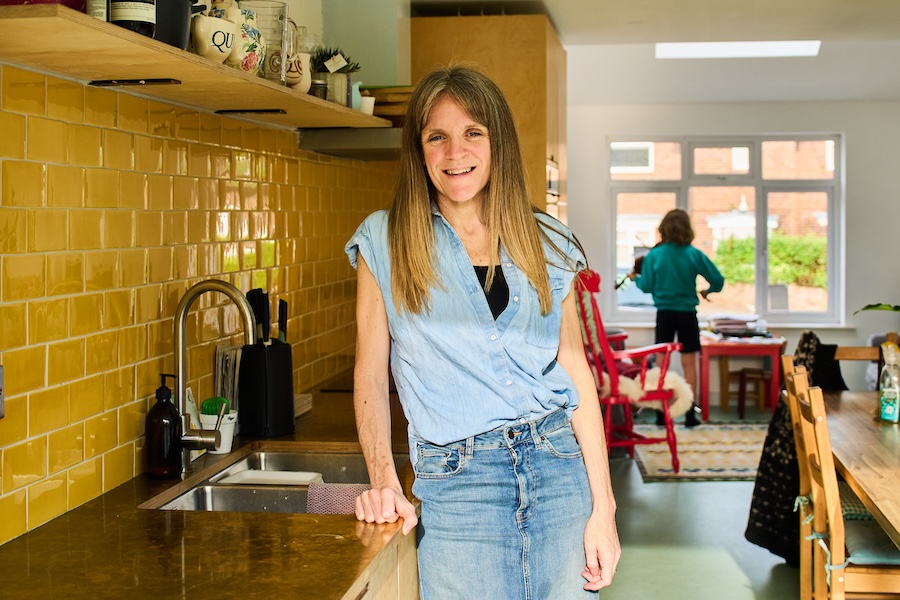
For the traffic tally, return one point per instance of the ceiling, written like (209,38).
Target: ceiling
(611,42)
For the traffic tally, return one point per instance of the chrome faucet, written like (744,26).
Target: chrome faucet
(195,439)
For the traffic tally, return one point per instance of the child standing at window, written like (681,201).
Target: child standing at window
(669,273)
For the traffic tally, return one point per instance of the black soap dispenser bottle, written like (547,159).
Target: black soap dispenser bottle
(163,434)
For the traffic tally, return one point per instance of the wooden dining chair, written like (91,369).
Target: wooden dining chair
(849,556)
(604,360)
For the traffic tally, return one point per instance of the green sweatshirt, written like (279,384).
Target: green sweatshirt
(669,273)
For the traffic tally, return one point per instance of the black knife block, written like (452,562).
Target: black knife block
(266,390)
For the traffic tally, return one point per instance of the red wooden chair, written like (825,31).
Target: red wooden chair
(604,360)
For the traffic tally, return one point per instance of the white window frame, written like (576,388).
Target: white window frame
(833,188)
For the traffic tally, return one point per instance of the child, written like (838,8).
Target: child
(669,273)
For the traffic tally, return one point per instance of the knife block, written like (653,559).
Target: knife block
(266,390)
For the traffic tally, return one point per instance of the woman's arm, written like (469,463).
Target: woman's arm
(601,539)
(385,502)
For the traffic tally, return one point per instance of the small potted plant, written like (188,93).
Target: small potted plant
(337,69)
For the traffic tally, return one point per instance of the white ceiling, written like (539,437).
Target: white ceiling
(610,51)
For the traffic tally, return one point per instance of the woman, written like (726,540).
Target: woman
(467,292)
(669,272)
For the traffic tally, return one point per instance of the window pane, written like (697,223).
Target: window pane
(729,160)
(807,159)
(798,251)
(637,220)
(724,225)
(645,161)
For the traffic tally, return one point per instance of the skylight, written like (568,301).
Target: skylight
(738,49)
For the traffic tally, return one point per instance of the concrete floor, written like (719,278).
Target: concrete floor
(686,540)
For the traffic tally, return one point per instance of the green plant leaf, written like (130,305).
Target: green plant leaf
(882,306)
(210,406)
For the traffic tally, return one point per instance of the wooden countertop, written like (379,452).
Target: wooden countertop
(110,548)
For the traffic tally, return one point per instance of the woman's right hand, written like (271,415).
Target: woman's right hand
(386,505)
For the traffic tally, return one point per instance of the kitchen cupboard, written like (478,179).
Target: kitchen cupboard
(55,39)
(524,56)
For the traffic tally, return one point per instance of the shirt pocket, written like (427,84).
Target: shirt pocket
(437,462)
(562,442)
(543,330)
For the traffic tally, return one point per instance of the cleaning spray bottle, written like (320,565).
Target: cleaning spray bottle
(163,434)
(889,383)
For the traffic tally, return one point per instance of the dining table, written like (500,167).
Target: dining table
(867,454)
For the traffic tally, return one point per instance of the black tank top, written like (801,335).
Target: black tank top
(498,296)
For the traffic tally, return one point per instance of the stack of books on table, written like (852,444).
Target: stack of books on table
(735,325)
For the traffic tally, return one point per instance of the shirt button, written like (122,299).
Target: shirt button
(493,336)
(523,420)
(508,382)
(515,298)
(509,264)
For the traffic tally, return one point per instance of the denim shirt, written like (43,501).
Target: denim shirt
(458,372)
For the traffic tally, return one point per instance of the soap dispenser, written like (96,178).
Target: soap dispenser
(163,434)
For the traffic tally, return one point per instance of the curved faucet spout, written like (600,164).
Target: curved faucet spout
(192,438)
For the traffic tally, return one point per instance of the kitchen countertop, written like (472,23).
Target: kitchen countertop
(110,548)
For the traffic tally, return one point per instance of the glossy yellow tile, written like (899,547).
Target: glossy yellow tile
(160,338)
(148,154)
(160,263)
(220,163)
(148,228)
(187,124)
(210,129)
(85,229)
(100,434)
(133,113)
(101,270)
(12,325)
(85,314)
(86,398)
(184,262)
(23,184)
(85,482)
(197,227)
(133,345)
(47,230)
(132,190)
(12,142)
(65,447)
(249,257)
(231,259)
(24,463)
(120,387)
(14,426)
(13,224)
(100,107)
(84,147)
(199,161)
(101,188)
(242,162)
(47,140)
(47,499)
(65,186)
(175,157)
(162,119)
(118,308)
(118,229)
(65,100)
(22,277)
(231,133)
(48,409)
(101,352)
(118,466)
(65,361)
(159,192)
(229,195)
(14,510)
(65,273)
(133,267)
(22,91)
(118,149)
(131,421)
(208,260)
(186,193)
(48,320)
(174,228)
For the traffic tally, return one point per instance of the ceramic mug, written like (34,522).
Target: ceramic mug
(212,37)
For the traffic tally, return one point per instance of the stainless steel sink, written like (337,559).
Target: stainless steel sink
(214,494)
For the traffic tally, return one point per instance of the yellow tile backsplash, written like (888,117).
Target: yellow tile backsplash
(111,206)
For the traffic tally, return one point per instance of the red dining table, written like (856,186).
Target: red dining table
(725,348)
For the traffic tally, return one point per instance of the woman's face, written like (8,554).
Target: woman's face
(457,153)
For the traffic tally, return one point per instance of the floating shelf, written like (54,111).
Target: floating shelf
(68,43)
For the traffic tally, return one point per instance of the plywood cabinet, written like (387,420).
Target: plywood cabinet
(392,575)
(523,54)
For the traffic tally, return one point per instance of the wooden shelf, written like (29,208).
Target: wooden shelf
(71,44)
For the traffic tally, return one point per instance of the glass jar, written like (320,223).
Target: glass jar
(318,88)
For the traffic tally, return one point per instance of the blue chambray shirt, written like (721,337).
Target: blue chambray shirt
(458,372)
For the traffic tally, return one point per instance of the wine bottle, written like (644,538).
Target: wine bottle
(98,9)
(136,15)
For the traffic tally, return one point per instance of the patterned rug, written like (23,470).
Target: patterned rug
(710,452)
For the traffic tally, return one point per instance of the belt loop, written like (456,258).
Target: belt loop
(470,447)
(535,436)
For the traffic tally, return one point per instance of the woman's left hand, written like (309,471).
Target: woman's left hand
(602,550)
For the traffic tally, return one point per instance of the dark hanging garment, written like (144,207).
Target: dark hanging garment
(773,524)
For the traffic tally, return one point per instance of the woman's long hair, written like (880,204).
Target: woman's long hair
(675,228)
(507,210)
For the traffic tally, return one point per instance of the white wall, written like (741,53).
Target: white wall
(872,199)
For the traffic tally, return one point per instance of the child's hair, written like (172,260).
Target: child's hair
(676,228)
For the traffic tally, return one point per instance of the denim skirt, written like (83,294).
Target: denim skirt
(503,514)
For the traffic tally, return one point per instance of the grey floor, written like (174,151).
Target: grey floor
(686,540)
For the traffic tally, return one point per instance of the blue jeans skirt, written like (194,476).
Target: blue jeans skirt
(503,514)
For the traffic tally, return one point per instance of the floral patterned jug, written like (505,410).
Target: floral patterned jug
(249,49)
